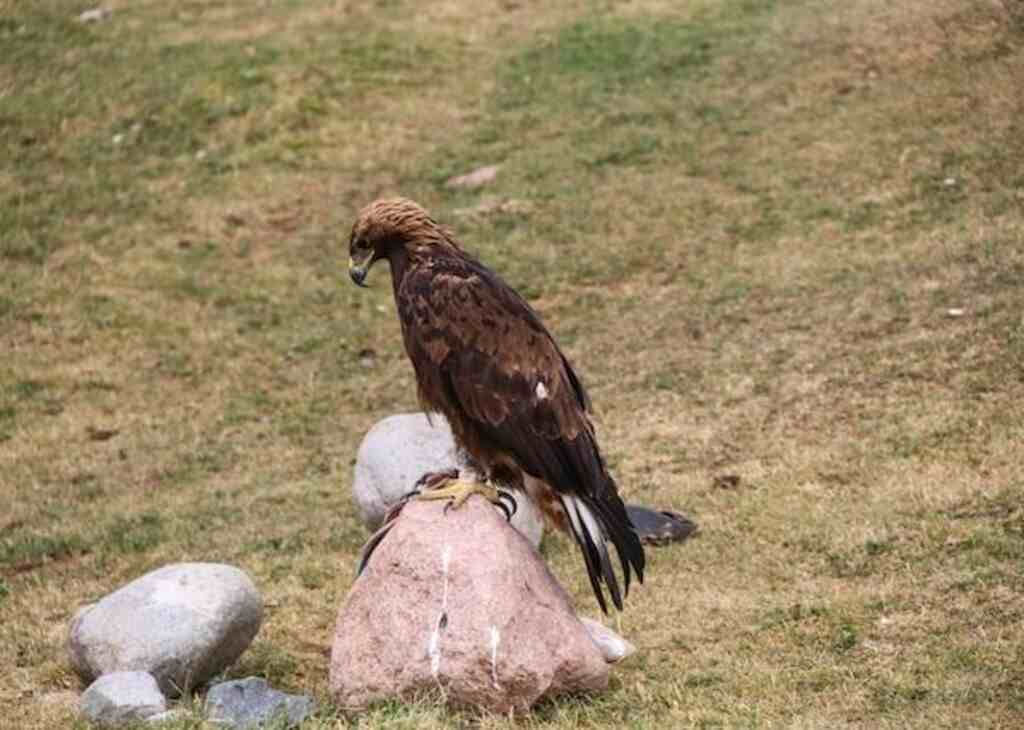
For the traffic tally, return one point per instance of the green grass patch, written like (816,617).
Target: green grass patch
(26,551)
(591,63)
(135,534)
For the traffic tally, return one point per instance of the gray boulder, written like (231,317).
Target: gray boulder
(249,703)
(400,449)
(182,623)
(121,698)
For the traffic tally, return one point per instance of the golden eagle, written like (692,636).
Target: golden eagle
(484,359)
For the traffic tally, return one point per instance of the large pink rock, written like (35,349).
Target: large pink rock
(460,602)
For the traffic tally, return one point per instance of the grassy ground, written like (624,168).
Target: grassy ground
(782,240)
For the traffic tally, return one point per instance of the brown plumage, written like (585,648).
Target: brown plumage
(484,359)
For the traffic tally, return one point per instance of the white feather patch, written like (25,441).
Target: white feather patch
(583,520)
(593,526)
(569,508)
(541,390)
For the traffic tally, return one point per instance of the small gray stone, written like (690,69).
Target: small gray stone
(400,449)
(94,16)
(248,703)
(182,623)
(660,527)
(120,698)
(475,179)
(612,646)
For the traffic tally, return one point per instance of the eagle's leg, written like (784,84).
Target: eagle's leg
(447,485)
(434,480)
(457,492)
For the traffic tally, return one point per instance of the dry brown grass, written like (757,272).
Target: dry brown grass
(739,224)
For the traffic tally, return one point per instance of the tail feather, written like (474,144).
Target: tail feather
(589,550)
(593,525)
(596,535)
(591,540)
(623,535)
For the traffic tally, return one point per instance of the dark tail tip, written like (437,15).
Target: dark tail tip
(593,525)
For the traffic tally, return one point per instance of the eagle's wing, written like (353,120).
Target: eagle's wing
(483,357)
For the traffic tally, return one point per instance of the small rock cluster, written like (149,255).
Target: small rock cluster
(182,623)
(452,600)
(166,633)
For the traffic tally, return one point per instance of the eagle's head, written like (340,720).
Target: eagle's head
(386,227)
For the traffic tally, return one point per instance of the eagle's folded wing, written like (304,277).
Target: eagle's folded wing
(480,350)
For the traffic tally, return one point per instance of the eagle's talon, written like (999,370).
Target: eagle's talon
(456,492)
(509,509)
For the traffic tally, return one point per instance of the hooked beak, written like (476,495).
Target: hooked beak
(358,271)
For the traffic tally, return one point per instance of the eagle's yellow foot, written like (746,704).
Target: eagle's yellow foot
(457,492)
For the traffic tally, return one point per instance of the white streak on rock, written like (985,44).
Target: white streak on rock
(495,640)
(434,644)
(434,651)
